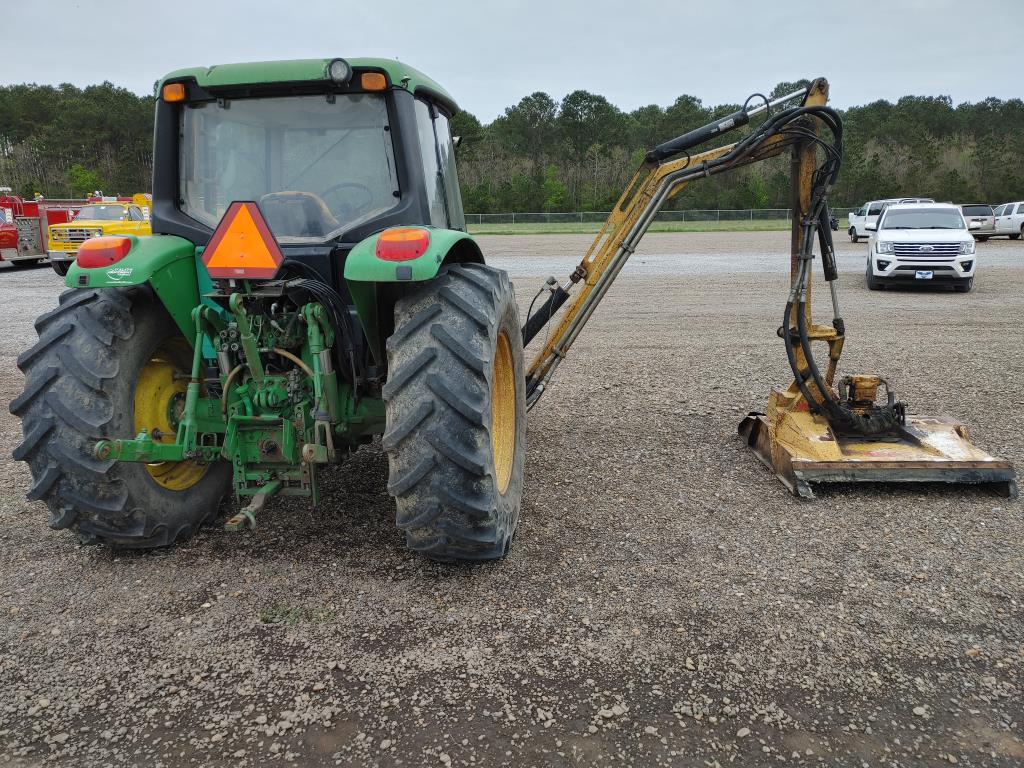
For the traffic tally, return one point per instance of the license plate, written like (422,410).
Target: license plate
(924,274)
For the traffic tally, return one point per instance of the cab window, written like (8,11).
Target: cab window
(456,217)
(134,214)
(432,174)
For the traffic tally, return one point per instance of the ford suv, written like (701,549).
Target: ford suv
(921,243)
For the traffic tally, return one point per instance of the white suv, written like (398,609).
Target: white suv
(918,242)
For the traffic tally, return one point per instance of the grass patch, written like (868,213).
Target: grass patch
(592,228)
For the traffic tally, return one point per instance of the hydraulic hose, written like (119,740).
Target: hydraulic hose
(876,420)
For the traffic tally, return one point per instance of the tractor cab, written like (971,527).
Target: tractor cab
(330,150)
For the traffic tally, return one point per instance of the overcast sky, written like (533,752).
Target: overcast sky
(489,54)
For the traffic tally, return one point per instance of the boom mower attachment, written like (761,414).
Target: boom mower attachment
(809,434)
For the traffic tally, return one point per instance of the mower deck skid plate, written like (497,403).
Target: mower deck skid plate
(802,449)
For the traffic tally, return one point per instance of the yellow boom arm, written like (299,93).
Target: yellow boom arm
(653,185)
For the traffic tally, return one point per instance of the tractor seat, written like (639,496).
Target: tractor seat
(297,214)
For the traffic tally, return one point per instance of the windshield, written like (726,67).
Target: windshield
(316,165)
(977,210)
(101,212)
(923,218)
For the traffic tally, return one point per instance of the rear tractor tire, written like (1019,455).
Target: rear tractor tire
(456,415)
(109,362)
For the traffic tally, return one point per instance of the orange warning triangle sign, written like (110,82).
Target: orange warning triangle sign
(242,246)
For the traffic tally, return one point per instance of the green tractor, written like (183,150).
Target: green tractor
(309,285)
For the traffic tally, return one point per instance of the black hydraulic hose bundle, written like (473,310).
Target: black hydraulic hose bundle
(877,419)
(316,286)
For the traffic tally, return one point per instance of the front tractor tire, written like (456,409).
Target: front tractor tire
(456,415)
(109,362)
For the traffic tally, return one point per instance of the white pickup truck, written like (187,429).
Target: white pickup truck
(1009,220)
(869,212)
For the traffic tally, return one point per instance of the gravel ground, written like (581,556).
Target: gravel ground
(666,602)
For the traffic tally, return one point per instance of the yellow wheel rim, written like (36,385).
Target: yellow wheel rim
(503,413)
(159,402)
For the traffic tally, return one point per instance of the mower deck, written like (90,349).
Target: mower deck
(801,448)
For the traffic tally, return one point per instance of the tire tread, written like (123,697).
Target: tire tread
(438,407)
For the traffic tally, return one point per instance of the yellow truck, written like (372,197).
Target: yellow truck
(114,217)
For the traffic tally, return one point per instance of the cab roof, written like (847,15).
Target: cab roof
(310,70)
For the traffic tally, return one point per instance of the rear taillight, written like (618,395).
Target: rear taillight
(402,244)
(103,251)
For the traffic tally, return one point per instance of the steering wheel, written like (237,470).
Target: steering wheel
(353,211)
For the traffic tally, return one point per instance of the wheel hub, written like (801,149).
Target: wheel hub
(159,405)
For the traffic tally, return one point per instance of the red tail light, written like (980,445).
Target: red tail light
(103,251)
(402,244)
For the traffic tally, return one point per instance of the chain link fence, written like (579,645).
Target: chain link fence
(598,217)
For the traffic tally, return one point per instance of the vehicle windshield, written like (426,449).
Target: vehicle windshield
(923,218)
(102,212)
(316,165)
(977,210)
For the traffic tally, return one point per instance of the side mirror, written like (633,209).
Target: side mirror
(851,213)
(871,227)
(974,225)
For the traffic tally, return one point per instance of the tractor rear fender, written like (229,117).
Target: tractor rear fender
(375,284)
(166,262)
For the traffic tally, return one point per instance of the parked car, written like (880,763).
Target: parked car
(94,220)
(982,214)
(869,212)
(1009,220)
(918,242)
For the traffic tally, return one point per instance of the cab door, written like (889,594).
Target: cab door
(874,211)
(1002,222)
(857,219)
(1015,218)
(136,222)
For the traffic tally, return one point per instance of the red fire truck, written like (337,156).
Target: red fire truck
(23,225)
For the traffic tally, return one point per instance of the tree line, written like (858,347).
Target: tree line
(543,154)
